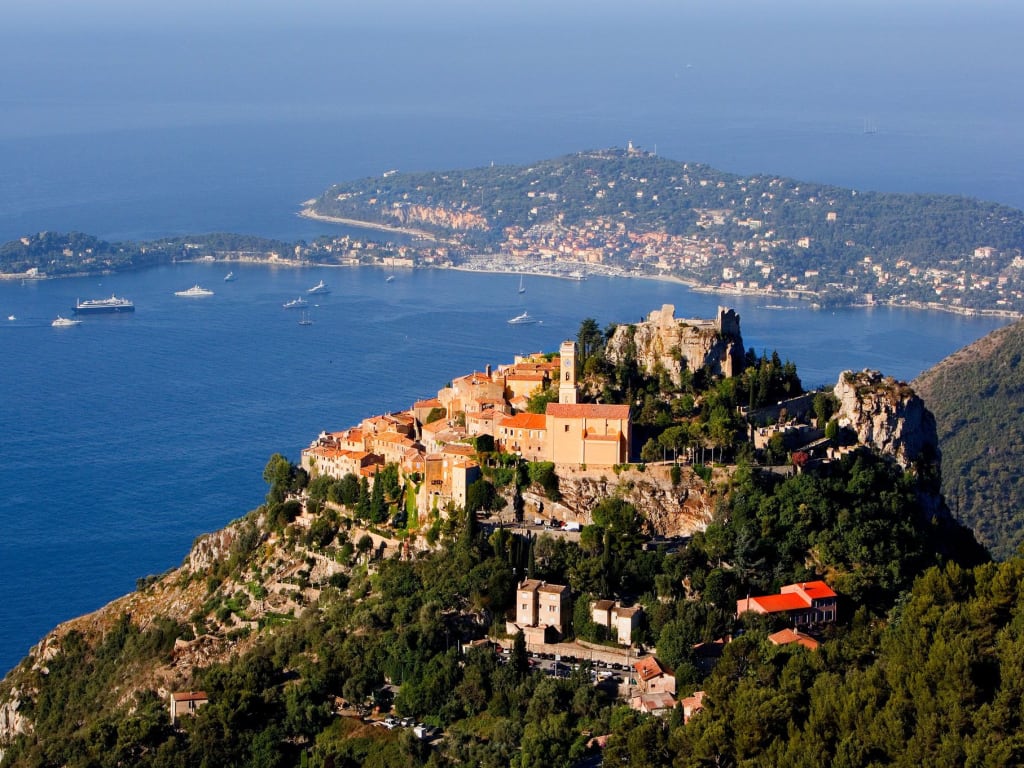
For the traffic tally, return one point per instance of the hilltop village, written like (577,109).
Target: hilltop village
(606,551)
(434,443)
(434,449)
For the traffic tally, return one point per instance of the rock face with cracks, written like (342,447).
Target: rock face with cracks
(668,510)
(887,415)
(663,342)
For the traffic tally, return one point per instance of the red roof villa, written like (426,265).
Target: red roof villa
(811,602)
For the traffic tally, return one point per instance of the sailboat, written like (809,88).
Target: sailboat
(305,319)
(522,288)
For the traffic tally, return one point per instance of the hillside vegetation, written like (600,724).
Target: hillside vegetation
(333,608)
(977,396)
(95,695)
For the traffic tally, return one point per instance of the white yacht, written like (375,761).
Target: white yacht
(195,291)
(65,322)
(296,303)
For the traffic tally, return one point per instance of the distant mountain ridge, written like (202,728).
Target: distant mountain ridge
(977,397)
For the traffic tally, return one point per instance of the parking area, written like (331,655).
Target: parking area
(604,672)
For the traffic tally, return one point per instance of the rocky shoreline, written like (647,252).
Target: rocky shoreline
(309,213)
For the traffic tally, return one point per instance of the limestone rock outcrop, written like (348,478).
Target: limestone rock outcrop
(669,510)
(12,721)
(663,341)
(887,415)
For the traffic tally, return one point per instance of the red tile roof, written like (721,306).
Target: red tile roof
(816,590)
(525,376)
(525,421)
(587,411)
(648,668)
(787,636)
(190,696)
(778,603)
(792,597)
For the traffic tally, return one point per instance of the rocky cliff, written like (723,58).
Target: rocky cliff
(887,414)
(669,510)
(667,343)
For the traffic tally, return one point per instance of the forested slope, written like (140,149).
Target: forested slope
(977,396)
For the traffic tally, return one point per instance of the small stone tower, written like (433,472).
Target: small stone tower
(567,374)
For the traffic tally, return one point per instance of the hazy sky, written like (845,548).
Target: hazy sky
(678,72)
(246,51)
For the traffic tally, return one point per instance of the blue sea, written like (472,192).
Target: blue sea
(123,439)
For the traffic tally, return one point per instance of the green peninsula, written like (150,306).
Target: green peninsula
(632,212)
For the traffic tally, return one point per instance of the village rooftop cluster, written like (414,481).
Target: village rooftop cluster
(430,442)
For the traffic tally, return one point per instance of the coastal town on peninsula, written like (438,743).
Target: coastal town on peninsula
(627,213)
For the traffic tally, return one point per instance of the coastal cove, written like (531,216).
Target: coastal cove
(129,435)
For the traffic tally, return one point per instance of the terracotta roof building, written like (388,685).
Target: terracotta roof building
(788,636)
(810,602)
(186,703)
(654,677)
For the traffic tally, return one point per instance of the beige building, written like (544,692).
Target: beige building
(447,477)
(542,605)
(567,392)
(524,434)
(186,703)
(654,677)
(523,383)
(589,433)
(323,460)
(465,389)
(619,620)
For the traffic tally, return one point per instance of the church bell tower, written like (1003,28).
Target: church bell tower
(567,373)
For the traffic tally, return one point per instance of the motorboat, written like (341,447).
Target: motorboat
(319,289)
(523,319)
